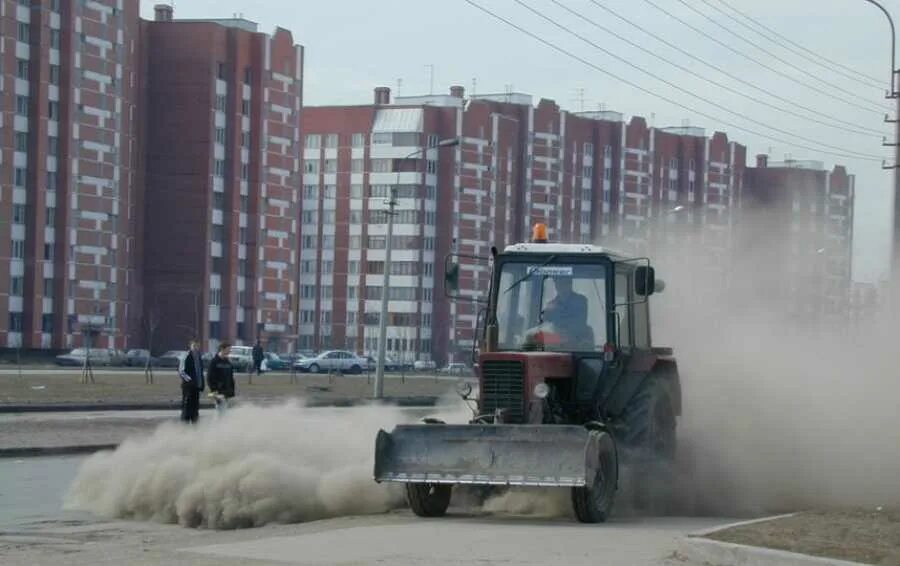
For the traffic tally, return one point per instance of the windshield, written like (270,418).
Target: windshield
(552,306)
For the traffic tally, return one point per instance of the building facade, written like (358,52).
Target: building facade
(797,225)
(223,181)
(70,174)
(591,177)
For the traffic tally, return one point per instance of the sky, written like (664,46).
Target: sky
(354,45)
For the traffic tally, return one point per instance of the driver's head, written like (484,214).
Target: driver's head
(563,285)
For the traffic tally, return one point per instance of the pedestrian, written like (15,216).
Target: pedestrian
(258,357)
(221,377)
(191,372)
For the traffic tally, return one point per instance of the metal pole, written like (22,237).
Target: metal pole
(382,320)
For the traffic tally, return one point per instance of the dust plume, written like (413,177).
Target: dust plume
(779,414)
(253,466)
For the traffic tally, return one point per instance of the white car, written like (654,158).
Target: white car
(333,360)
(422,365)
(241,357)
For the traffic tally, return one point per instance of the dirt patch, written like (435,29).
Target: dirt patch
(867,536)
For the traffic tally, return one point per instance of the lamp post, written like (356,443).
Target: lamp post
(382,319)
(892,93)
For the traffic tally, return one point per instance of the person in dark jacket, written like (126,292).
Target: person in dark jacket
(221,377)
(191,372)
(258,357)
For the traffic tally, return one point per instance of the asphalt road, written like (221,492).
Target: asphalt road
(391,539)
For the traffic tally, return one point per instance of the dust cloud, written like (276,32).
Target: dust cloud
(779,414)
(254,465)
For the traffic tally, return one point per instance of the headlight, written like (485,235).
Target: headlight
(541,390)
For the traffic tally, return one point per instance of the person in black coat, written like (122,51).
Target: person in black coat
(191,372)
(258,357)
(221,376)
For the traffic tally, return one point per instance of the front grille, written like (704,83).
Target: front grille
(503,387)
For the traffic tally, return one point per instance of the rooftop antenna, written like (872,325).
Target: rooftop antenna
(601,106)
(509,90)
(399,85)
(474,85)
(685,122)
(579,97)
(430,68)
(652,119)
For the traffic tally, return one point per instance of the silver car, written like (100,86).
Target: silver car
(333,360)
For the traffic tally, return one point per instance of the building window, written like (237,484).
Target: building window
(219,167)
(431,166)
(48,287)
(248,75)
(53,146)
(328,217)
(215,296)
(356,191)
(329,191)
(353,267)
(20,176)
(21,141)
(242,235)
(48,252)
(351,293)
(355,217)
(243,267)
(309,242)
(432,140)
(327,242)
(221,102)
(245,139)
(54,38)
(47,323)
(22,69)
(18,249)
(220,135)
(588,148)
(607,152)
(15,322)
(218,200)
(356,166)
(221,71)
(381,165)
(53,110)
(311,167)
(52,180)
(358,140)
(313,141)
(245,203)
(355,242)
(17,285)
(51,216)
(588,172)
(310,191)
(54,74)
(245,171)
(327,292)
(18,211)
(22,105)
(310,216)
(215,328)
(218,233)
(331,165)
(331,140)
(245,107)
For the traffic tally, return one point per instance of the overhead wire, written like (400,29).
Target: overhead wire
(728,74)
(658,95)
(798,45)
(713,81)
(678,87)
(740,53)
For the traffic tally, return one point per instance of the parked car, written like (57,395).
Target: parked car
(455,369)
(171,359)
(138,358)
(241,357)
(423,365)
(98,357)
(333,360)
(274,362)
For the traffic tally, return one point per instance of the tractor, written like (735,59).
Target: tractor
(570,385)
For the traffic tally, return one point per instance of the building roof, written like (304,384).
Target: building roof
(398,120)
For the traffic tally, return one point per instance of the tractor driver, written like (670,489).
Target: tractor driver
(568,313)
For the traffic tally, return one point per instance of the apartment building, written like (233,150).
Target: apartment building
(591,177)
(70,174)
(223,181)
(797,224)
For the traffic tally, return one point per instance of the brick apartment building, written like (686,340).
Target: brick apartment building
(797,224)
(591,177)
(70,174)
(223,181)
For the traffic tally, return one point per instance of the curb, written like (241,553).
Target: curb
(696,548)
(423,401)
(36,451)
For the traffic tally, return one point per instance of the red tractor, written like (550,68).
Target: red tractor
(569,385)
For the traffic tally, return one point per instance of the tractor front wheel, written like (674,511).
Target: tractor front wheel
(593,503)
(428,499)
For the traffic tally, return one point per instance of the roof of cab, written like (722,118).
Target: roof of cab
(553,248)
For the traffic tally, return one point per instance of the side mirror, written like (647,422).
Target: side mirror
(464,389)
(644,280)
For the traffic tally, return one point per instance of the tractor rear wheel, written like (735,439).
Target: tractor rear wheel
(649,445)
(428,499)
(593,503)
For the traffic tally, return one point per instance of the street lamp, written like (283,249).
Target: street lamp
(382,320)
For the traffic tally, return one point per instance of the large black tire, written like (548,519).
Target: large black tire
(594,503)
(428,499)
(649,445)
(356,370)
